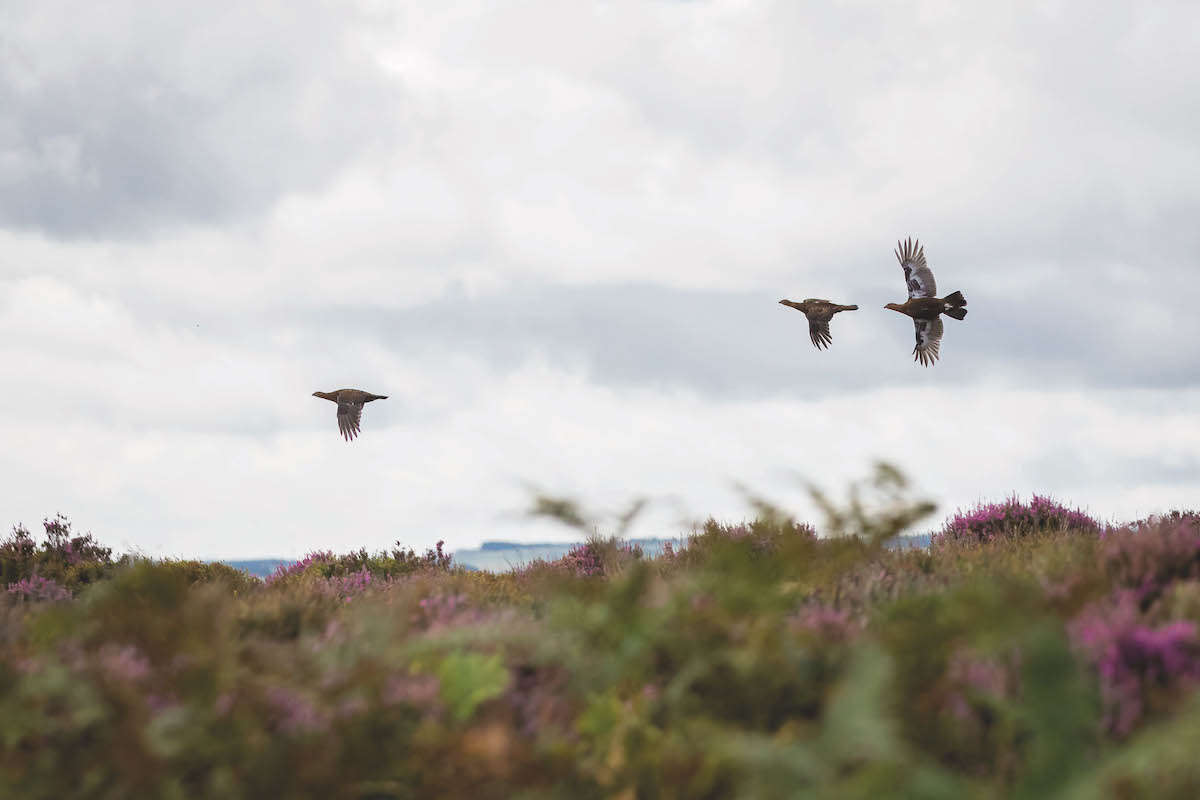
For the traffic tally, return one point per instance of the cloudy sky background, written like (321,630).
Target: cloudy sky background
(555,234)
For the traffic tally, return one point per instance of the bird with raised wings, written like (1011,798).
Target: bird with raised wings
(923,304)
(819,313)
(350,404)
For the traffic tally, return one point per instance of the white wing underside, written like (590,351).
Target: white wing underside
(917,275)
(929,340)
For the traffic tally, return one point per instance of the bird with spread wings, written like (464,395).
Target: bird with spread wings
(819,313)
(923,304)
(350,404)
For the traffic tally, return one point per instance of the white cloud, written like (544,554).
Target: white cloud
(449,454)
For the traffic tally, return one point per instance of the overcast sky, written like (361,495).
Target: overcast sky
(555,235)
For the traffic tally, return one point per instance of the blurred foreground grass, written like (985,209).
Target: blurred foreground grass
(1029,652)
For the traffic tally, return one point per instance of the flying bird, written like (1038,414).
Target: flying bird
(923,304)
(819,312)
(349,408)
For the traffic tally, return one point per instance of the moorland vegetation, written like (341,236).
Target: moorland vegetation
(1028,651)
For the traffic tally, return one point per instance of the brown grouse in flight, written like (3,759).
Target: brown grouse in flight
(819,312)
(349,408)
(923,304)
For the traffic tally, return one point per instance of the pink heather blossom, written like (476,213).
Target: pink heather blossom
(437,559)
(986,522)
(295,712)
(348,586)
(224,703)
(584,560)
(415,690)
(37,588)
(1147,560)
(830,623)
(982,675)
(440,611)
(1131,657)
(298,567)
(158,702)
(124,662)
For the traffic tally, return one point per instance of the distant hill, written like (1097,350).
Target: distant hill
(503,556)
(913,540)
(262,567)
(498,556)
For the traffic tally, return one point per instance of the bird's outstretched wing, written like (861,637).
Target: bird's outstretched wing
(929,340)
(818,331)
(917,275)
(349,416)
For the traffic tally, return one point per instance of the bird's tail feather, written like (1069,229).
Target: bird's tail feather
(958,312)
(847,308)
(957,300)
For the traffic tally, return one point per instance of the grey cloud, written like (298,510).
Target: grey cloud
(121,139)
(744,343)
(129,166)
(1075,465)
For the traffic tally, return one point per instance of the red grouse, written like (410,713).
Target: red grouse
(819,313)
(923,304)
(349,408)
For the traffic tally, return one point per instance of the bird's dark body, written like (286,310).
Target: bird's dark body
(350,404)
(349,396)
(819,313)
(922,307)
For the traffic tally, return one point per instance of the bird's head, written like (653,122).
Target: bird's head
(895,307)
(787,303)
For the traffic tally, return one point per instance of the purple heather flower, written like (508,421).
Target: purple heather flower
(1130,656)
(830,623)
(958,706)
(224,703)
(298,567)
(584,560)
(1149,559)
(37,588)
(628,550)
(124,662)
(437,559)
(348,586)
(986,676)
(441,611)
(988,521)
(157,702)
(414,690)
(295,712)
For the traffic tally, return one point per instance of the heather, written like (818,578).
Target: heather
(1011,518)
(1028,652)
